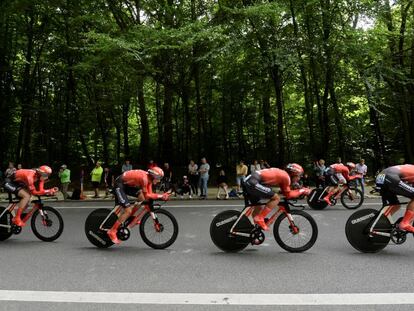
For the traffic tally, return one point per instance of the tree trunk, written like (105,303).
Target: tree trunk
(277,82)
(145,132)
(167,142)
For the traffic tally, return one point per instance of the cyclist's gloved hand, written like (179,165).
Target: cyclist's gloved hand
(305,191)
(165,197)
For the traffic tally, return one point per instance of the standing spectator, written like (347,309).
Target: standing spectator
(319,168)
(264,164)
(241,173)
(193,173)
(96,176)
(19,166)
(255,167)
(8,174)
(127,166)
(362,169)
(222,184)
(109,179)
(64,175)
(203,182)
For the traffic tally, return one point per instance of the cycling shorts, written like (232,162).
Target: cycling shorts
(390,186)
(334,179)
(122,191)
(13,187)
(255,190)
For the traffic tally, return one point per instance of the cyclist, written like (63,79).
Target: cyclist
(398,180)
(22,184)
(338,174)
(258,185)
(137,183)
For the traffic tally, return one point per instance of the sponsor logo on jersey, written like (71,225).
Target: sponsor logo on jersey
(263,188)
(405,186)
(358,220)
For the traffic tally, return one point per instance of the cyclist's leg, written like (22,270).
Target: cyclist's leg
(24,201)
(256,192)
(398,187)
(120,199)
(332,181)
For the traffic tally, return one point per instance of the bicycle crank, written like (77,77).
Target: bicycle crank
(398,236)
(16,229)
(123,233)
(257,236)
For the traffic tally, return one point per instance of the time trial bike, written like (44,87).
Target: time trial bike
(370,230)
(46,222)
(158,228)
(351,197)
(294,230)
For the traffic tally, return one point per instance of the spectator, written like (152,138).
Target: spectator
(241,173)
(109,179)
(319,168)
(96,176)
(127,166)
(193,173)
(255,167)
(19,166)
(264,164)
(8,174)
(222,184)
(362,169)
(185,187)
(204,175)
(64,175)
(338,160)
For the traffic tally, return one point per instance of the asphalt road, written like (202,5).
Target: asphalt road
(193,264)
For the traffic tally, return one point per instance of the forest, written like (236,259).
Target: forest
(171,80)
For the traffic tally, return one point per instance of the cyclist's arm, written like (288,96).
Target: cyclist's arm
(39,191)
(148,194)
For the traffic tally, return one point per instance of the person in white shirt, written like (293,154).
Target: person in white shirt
(362,169)
(255,167)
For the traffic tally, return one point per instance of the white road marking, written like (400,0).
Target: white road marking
(208,299)
(199,205)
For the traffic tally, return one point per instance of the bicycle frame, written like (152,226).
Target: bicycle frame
(343,188)
(386,211)
(248,212)
(36,204)
(143,208)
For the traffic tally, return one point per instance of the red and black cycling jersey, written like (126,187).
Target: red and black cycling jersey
(258,184)
(339,168)
(396,180)
(130,183)
(28,178)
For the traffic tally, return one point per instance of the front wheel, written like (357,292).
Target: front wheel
(357,230)
(5,224)
(48,224)
(161,232)
(298,235)
(352,198)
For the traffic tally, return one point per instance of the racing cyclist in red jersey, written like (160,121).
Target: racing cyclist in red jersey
(258,186)
(336,175)
(137,183)
(22,184)
(398,180)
